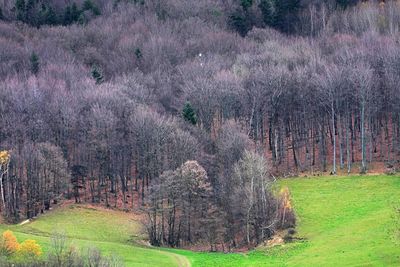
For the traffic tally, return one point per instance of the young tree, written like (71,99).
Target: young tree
(240,22)
(189,114)
(362,79)
(4,168)
(1,14)
(78,174)
(97,74)
(330,84)
(34,61)
(29,248)
(268,11)
(254,192)
(67,19)
(75,12)
(9,243)
(20,9)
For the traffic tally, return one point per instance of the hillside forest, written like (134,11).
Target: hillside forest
(187,110)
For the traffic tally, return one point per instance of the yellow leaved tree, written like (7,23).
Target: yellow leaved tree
(4,163)
(287,217)
(30,248)
(9,243)
(4,157)
(9,246)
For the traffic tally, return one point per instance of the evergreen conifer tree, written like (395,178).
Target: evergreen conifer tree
(34,61)
(189,114)
(97,74)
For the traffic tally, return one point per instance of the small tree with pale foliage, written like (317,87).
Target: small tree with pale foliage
(286,213)
(256,201)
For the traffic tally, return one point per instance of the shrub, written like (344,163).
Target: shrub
(9,243)
(291,231)
(287,216)
(189,114)
(34,60)
(97,74)
(30,248)
(4,156)
(288,237)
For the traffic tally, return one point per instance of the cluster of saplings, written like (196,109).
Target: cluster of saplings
(98,113)
(59,254)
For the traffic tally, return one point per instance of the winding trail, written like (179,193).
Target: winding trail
(182,261)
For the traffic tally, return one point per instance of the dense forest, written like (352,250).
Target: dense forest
(187,109)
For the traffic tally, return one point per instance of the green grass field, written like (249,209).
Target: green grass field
(111,231)
(345,221)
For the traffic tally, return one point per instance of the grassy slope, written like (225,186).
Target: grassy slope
(111,231)
(345,220)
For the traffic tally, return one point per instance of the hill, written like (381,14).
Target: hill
(343,221)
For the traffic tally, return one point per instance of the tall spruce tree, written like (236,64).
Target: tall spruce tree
(97,74)
(246,4)
(75,12)
(268,9)
(189,114)
(67,16)
(20,9)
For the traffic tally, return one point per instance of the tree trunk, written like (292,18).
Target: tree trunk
(348,145)
(363,148)
(334,139)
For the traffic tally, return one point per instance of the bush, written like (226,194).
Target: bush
(29,248)
(291,231)
(14,254)
(288,237)
(9,243)
(286,212)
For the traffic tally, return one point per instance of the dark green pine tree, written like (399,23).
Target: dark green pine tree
(189,114)
(67,20)
(239,21)
(82,19)
(97,74)
(30,14)
(96,10)
(20,9)
(50,16)
(246,4)
(1,14)
(138,53)
(75,12)
(268,10)
(346,3)
(87,5)
(34,61)
(287,15)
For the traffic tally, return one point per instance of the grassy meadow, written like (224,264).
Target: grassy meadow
(342,221)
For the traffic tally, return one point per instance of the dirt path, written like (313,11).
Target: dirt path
(182,261)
